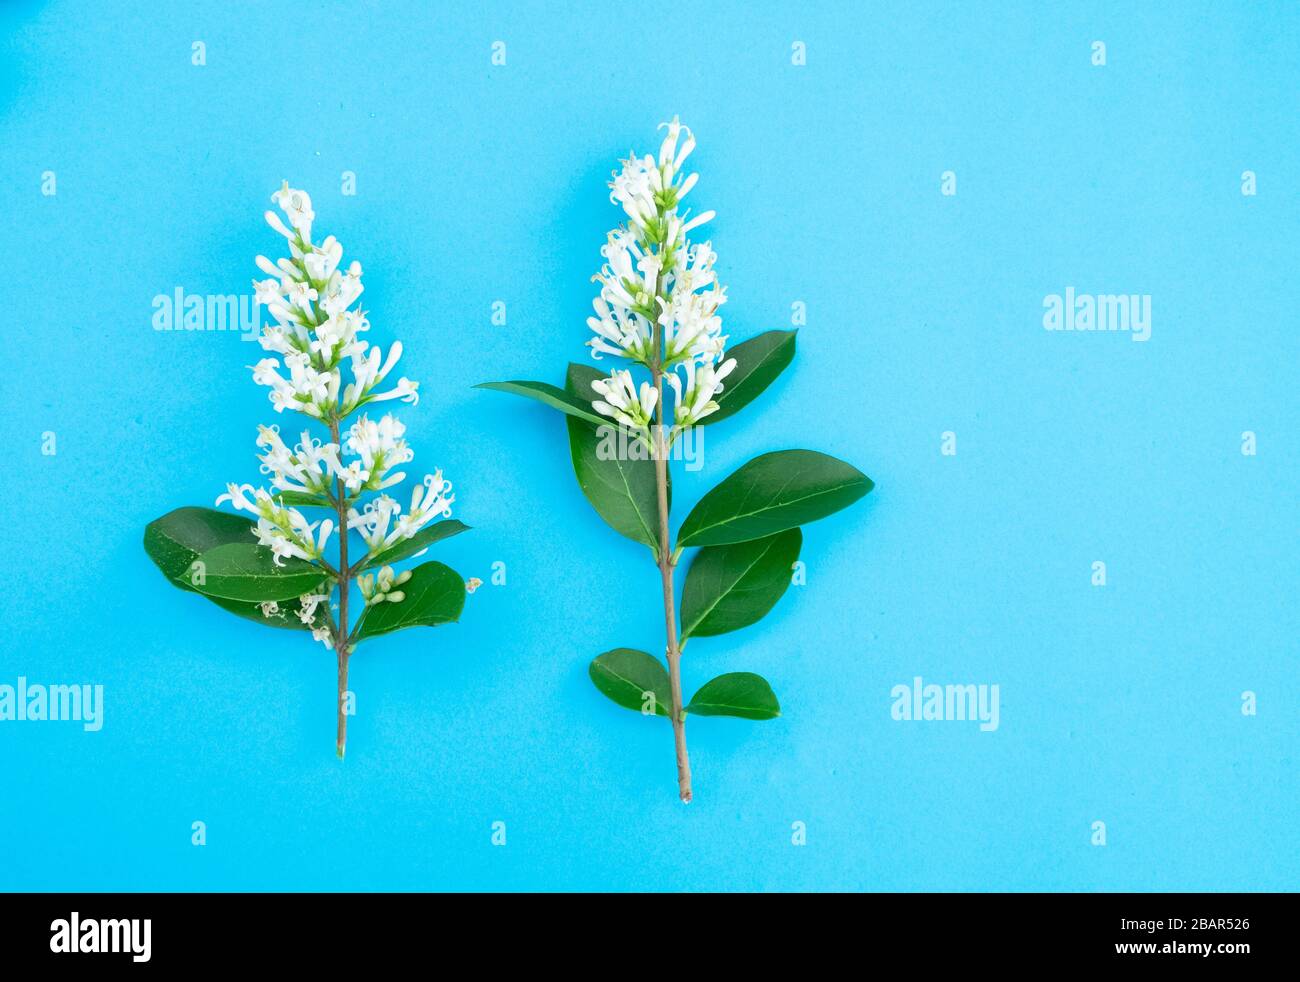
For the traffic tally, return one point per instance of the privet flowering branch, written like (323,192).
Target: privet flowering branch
(272,567)
(657,311)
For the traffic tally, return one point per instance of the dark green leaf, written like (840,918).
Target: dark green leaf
(730,587)
(741,694)
(247,571)
(758,362)
(633,679)
(174,541)
(417,543)
(614,471)
(772,493)
(435,594)
(551,395)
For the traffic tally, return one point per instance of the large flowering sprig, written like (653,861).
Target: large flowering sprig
(657,311)
(273,566)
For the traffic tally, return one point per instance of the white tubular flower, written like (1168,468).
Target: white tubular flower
(318,461)
(309,468)
(649,191)
(429,500)
(342,291)
(703,382)
(354,476)
(380,447)
(278,340)
(337,339)
(308,603)
(622,402)
(368,372)
(324,636)
(406,390)
(323,259)
(619,332)
(691,326)
(373,521)
(634,189)
(671,157)
(267,292)
(628,280)
(629,276)
(282,530)
(307,390)
(296,206)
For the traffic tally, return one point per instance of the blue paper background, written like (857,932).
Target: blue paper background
(478,183)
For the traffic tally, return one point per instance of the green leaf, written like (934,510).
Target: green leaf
(772,493)
(417,543)
(247,571)
(435,594)
(551,395)
(633,679)
(742,694)
(730,587)
(304,499)
(178,538)
(758,362)
(619,486)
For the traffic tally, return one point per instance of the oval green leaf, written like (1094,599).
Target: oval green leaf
(633,679)
(550,395)
(742,694)
(730,587)
(435,594)
(772,493)
(178,538)
(758,362)
(619,484)
(416,543)
(247,571)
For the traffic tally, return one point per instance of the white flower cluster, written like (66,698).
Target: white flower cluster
(283,530)
(317,334)
(654,276)
(429,500)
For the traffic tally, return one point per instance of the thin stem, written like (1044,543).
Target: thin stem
(667,566)
(341,642)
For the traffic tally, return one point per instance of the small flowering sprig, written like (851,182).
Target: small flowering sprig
(272,566)
(657,313)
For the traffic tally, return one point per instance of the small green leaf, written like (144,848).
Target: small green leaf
(742,694)
(633,679)
(758,362)
(620,486)
(730,587)
(302,499)
(435,594)
(551,395)
(247,571)
(417,543)
(178,538)
(772,493)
